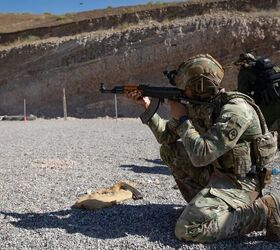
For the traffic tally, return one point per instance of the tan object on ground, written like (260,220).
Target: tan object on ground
(107,197)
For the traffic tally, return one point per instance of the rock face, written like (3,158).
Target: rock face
(135,53)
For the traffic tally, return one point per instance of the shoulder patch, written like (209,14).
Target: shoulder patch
(232,134)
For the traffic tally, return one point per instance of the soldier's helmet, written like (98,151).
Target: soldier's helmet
(202,74)
(245,58)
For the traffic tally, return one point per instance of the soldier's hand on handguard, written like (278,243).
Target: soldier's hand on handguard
(137,97)
(177,110)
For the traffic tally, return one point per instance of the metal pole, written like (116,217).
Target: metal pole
(64,105)
(24,110)
(116,107)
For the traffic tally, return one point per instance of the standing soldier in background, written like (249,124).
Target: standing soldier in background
(217,152)
(259,78)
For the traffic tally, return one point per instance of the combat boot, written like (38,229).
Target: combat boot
(272,203)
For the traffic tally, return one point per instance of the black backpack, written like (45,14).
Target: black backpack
(267,85)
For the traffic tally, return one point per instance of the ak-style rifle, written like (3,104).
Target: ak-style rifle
(158,95)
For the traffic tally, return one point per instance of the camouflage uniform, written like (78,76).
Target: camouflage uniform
(209,157)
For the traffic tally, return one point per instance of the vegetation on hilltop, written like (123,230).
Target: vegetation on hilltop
(11,22)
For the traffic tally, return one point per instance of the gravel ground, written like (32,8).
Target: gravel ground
(47,164)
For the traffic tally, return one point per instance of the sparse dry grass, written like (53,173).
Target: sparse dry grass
(12,22)
(126,25)
(20,41)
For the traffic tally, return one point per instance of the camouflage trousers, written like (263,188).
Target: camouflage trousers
(220,206)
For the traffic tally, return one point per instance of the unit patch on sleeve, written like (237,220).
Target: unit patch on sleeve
(232,134)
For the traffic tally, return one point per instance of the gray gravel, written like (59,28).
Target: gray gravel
(46,164)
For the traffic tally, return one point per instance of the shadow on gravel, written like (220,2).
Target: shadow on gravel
(154,221)
(159,168)
(147,170)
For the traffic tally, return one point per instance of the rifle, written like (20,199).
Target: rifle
(158,95)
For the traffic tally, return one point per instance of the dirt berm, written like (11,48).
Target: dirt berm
(135,46)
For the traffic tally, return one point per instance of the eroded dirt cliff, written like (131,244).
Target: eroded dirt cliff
(135,52)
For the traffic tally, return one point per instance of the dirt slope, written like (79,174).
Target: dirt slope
(135,51)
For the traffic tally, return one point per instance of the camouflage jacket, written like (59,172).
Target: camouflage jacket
(213,133)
